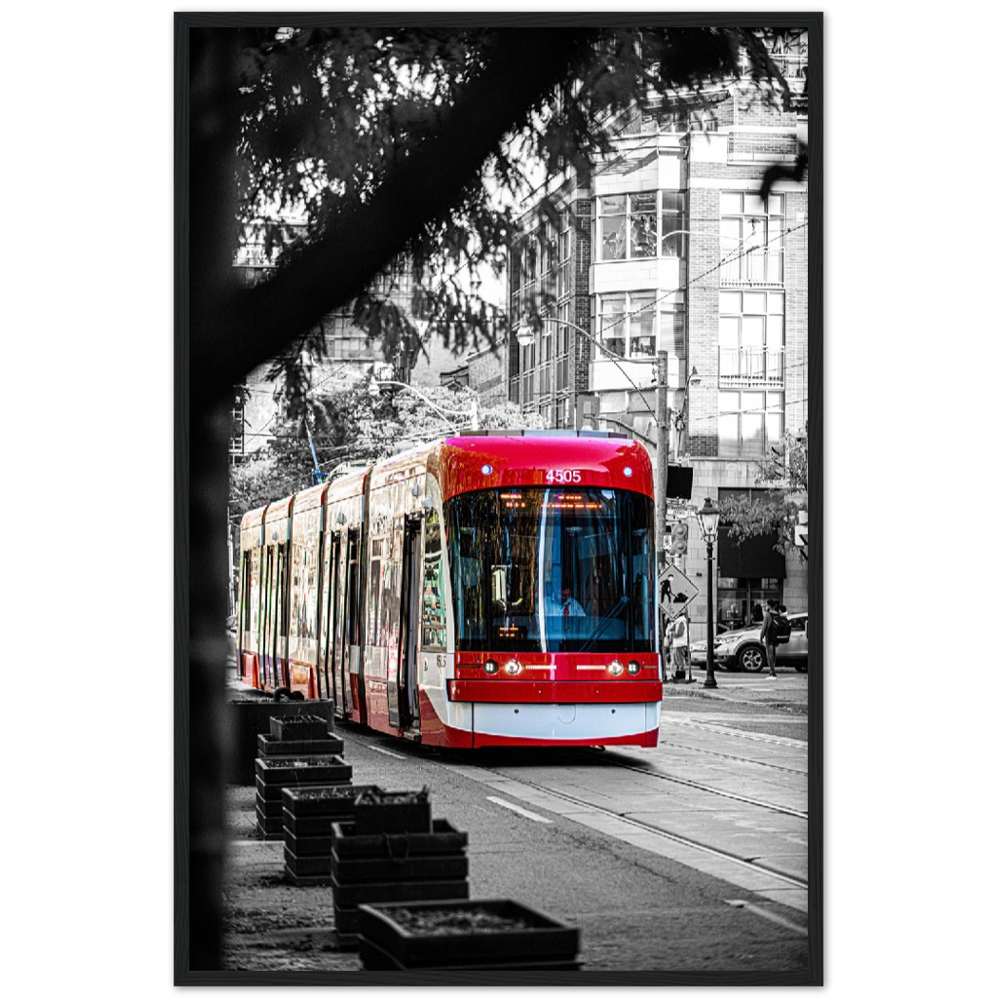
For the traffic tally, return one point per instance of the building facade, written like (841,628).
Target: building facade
(666,264)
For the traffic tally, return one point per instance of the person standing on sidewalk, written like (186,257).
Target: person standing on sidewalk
(679,646)
(666,653)
(769,636)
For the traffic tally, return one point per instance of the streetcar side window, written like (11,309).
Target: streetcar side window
(374,591)
(245,593)
(352,588)
(434,625)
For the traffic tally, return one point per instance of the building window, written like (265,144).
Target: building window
(645,224)
(611,322)
(345,341)
(750,422)
(629,321)
(751,338)
(671,224)
(750,233)
(642,324)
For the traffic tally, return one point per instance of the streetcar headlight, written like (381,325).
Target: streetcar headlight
(512,667)
(633,667)
(616,668)
(491,666)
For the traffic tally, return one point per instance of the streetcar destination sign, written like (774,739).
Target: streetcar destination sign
(676,591)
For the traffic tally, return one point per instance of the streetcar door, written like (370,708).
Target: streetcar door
(352,630)
(267,600)
(281,618)
(409,633)
(327,663)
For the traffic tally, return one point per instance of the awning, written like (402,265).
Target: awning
(754,557)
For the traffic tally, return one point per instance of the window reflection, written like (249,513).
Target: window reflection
(551,570)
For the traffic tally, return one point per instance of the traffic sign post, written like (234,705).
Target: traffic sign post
(675,590)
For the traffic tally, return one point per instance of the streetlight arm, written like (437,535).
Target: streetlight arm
(472,414)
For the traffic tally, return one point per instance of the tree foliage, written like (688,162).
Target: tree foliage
(329,115)
(352,425)
(783,474)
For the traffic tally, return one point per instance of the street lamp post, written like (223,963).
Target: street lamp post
(708,523)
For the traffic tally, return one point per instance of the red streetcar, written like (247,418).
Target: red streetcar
(489,589)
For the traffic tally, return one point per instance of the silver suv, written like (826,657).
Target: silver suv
(742,649)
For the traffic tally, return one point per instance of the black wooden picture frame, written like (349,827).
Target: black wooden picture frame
(819,599)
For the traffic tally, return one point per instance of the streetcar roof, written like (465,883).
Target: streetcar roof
(474,462)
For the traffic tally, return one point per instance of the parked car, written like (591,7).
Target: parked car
(741,649)
(699,656)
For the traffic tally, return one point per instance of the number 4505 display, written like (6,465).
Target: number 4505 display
(563,476)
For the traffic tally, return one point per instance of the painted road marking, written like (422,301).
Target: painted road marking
(746,875)
(741,904)
(513,808)
(389,753)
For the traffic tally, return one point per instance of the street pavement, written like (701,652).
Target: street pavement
(687,857)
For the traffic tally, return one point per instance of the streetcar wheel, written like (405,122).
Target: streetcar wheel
(282,694)
(751,658)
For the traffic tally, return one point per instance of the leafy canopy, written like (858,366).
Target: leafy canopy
(784,476)
(329,114)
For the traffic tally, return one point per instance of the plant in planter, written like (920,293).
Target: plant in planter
(464,934)
(393,812)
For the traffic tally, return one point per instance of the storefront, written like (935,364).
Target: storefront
(750,573)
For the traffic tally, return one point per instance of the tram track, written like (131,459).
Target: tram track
(698,786)
(736,757)
(650,828)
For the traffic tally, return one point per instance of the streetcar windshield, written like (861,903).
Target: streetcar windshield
(547,570)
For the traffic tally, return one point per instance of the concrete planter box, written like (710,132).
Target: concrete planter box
(267,747)
(374,868)
(314,866)
(249,717)
(392,812)
(348,844)
(268,827)
(308,815)
(290,771)
(447,867)
(464,934)
(303,726)
(275,792)
(347,899)
(439,855)
(324,801)
(270,799)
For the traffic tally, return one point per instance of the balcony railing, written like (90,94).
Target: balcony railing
(758,267)
(751,366)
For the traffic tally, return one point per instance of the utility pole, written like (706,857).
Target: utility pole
(662,456)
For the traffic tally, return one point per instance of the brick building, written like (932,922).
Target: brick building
(665,246)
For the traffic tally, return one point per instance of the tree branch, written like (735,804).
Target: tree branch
(248,326)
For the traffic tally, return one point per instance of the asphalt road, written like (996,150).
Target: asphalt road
(687,857)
